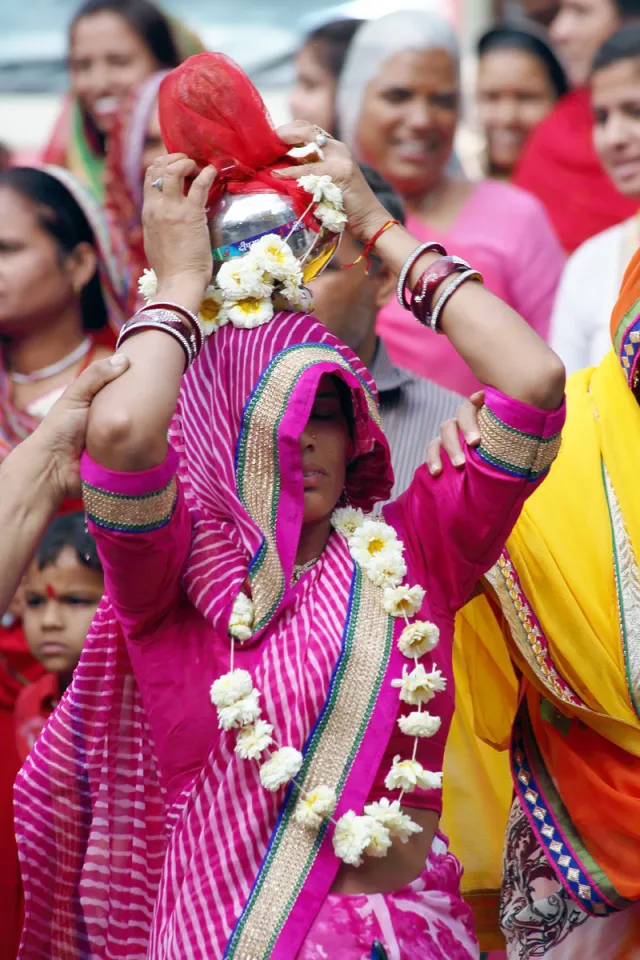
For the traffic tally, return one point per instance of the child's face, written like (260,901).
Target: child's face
(60,602)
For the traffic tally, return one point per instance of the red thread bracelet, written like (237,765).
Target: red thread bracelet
(366,253)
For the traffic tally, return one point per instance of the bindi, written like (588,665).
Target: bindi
(51,594)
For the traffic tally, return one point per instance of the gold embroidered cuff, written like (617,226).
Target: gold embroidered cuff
(520,454)
(115,511)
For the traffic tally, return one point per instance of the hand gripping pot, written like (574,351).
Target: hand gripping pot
(237,220)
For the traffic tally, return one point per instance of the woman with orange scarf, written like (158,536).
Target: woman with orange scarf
(565,595)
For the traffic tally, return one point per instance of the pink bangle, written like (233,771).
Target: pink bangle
(187,315)
(431,247)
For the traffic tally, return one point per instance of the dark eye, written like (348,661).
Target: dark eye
(446,101)
(79,601)
(32,600)
(396,95)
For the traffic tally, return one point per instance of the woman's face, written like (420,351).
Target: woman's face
(514,94)
(34,283)
(107,60)
(153,144)
(615,95)
(408,119)
(313,96)
(325,444)
(579,30)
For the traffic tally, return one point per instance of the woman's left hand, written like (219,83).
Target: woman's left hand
(365,212)
(176,235)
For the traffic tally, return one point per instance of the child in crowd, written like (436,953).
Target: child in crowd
(62,590)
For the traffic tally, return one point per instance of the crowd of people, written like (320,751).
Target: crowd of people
(255,486)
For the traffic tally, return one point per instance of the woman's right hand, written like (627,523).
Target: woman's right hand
(364,211)
(176,235)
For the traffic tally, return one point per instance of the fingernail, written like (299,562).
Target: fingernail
(118,360)
(458,461)
(473,437)
(433,470)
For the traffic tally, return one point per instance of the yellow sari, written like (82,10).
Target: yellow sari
(565,597)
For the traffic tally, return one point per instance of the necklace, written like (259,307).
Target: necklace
(54,368)
(299,569)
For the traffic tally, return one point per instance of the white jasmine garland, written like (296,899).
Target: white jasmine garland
(331,217)
(380,841)
(403,601)
(231,687)
(242,617)
(322,188)
(388,812)
(406,775)
(418,686)
(370,539)
(420,723)
(250,313)
(281,767)
(273,256)
(242,279)
(213,313)
(346,520)
(254,740)
(148,285)
(418,638)
(388,568)
(315,806)
(241,713)
(352,836)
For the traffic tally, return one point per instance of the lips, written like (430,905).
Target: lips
(313,475)
(53,649)
(626,169)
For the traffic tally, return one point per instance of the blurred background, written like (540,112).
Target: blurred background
(261,36)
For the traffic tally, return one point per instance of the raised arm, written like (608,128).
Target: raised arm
(497,344)
(129,421)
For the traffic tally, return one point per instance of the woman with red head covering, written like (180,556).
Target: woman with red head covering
(244,765)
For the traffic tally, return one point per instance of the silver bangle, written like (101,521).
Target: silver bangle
(431,245)
(164,326)
(448,293)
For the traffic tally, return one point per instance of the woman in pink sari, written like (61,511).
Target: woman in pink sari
(398,108)
(289,825)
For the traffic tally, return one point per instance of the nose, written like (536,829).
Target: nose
(560,29)
(100,80)
(506,112)
(307,439)
(52,619)
(419,114)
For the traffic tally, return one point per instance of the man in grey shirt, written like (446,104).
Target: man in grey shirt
(347,302)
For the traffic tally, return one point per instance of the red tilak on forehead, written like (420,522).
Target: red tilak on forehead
(50,592)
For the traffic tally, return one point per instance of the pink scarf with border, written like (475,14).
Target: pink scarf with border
(110,870)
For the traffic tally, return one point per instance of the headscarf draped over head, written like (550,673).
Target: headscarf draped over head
(124,182)
(376,42)
(210,110)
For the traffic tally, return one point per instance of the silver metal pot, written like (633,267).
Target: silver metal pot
(236,221)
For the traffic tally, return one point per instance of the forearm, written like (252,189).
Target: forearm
(28,502)
(129,419)
(497,344)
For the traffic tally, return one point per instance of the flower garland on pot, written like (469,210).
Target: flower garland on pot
(375,547)
(247,290)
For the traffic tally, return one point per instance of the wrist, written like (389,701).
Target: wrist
(36,463)
(365,228)
(188,292)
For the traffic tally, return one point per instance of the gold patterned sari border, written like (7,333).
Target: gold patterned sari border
(328,760)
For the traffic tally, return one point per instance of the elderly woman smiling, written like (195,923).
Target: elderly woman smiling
(398,107)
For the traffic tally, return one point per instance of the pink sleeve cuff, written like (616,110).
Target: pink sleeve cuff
(518,439)
(130,502)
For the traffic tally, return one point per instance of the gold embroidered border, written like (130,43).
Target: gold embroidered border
(131,514)
(525,454)
(628,591)
(525,631)
(294,848)
(257,476)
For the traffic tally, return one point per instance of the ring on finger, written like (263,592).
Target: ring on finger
(158,184)
(322,136)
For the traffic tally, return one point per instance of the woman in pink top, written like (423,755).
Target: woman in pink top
(148,825)
(398,106)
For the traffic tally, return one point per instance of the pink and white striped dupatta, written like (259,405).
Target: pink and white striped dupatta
(112,867)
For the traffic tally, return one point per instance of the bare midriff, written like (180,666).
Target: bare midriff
(402,864)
